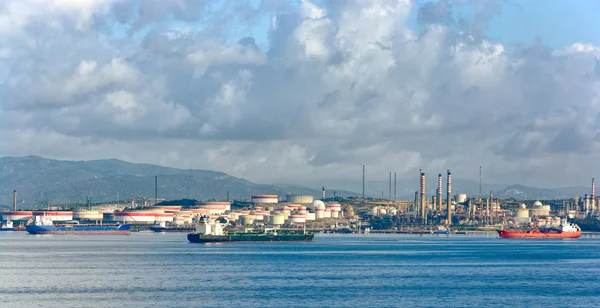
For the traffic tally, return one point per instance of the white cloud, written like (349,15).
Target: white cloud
(340,86)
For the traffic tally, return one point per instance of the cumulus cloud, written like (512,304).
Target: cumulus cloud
(338,84)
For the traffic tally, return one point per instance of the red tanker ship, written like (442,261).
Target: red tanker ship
(567,230)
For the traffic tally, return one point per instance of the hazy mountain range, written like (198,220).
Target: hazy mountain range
(39,181)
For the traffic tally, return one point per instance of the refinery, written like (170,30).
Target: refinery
(439,213)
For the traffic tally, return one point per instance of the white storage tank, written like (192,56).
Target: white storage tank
(335,214)
(327,213)
(276,220)
(375,211)
(163,217)
(246,219)
(302,199)
(88,215)
(260,199)
(55,215)
(311,216)
(297,218)
(135,217)
(17,215)
(382,212)
(214,207)
(461,198)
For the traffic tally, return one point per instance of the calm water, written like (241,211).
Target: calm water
(164,270)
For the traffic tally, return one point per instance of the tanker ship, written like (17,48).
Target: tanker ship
(45,226)
(162,227)
(566,230)
(207,232)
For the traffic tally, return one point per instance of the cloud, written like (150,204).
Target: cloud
(339,84)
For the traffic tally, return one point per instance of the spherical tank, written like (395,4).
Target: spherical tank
(265,199)
(537,203)
(276,220)
(461,198)
(317,204)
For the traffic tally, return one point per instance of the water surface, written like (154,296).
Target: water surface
(164,270)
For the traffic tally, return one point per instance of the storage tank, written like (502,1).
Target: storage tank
(382,212)
(88,215)
(327,213)
(311,216)
(276,220)
(260,199)
(163,217)
(297,218)
(55,215)
(214,207)
(17,215)
(461,198)
(335,207)
(375,211)
(319,213)
(335,214)
(142,218)
(164,208)
(522,212)
(302,199)
(246,219)
(317,204)
(544,210)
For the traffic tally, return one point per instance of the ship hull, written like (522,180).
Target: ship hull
(164,229)
(537,234)
(80,230)
(7,229)
(198,238)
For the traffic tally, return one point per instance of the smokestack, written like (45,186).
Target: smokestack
(593,205)
(480,193)
(439,193)
(448,198)
(323,193)
(423,195)
(395,195)
(363,182)
(433,202)
(586,203)
(156,189)
(390,188)
(15,200)
(416,206)
(576,200)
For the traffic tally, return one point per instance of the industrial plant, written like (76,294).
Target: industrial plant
(350,214)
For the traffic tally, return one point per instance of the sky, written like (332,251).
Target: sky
(300,92)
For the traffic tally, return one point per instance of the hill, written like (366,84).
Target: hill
(39,180)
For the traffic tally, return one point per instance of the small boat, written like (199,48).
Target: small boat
(213,232)
(566,230)
(162,227)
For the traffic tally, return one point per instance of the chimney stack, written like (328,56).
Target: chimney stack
(439,193)
(15,200)
(323,193)
(449,198)
(593,205)
(423,200)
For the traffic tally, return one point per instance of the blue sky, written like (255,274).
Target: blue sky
(557,23)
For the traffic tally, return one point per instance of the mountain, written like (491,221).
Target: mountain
(521,192)
(39,180)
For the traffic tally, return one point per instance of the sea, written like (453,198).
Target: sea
(335,270)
